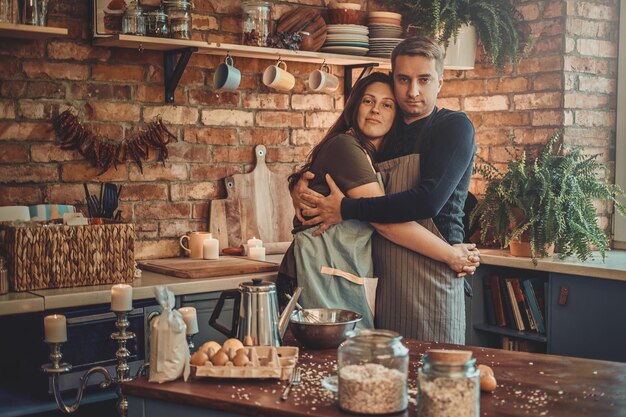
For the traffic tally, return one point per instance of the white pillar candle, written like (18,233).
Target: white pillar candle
(254,242)
(257,253)
(190,318)
(55,328)
(121,297)
(211,248)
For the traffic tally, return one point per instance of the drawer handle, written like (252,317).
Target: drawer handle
(563,295)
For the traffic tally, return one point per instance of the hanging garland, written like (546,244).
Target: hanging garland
(104,153)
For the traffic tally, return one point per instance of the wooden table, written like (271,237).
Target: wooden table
(528,384)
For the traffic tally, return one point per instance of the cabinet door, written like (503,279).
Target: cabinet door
(205,304)
(592,321)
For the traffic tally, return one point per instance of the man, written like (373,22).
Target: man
(434,184)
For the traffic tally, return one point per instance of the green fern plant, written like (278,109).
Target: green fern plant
(498,24)
(548,199)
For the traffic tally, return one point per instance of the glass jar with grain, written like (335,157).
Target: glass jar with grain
(179,18)
(255,22)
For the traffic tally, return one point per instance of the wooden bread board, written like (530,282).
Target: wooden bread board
(202,268)
(305,19)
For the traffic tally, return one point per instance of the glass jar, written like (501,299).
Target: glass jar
(448,389)
(372,372)
(256,23)
(4,277)
(156,23)
(179,18)
(133,22)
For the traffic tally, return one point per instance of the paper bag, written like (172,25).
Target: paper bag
(169,352)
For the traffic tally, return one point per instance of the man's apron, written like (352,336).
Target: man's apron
(417,297)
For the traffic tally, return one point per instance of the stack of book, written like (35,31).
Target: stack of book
(515,303)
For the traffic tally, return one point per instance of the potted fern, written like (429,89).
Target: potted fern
(497,23)
(546,200)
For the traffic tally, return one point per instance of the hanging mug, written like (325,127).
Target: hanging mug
(322,81)
(226,76)
(278,78)
(195,243)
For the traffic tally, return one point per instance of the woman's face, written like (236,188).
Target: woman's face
(376,111)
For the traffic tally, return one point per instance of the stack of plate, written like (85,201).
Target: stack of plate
(385,32)
(346,39)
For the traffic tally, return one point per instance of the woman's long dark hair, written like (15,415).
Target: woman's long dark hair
(348,122)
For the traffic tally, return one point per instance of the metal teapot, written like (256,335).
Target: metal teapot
(258,322)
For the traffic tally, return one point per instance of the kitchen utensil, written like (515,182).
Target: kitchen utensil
(258,204)
(277,77)
(296,377)
(109,203)
(201,268)
(308,317)
(258,319)
(327,331)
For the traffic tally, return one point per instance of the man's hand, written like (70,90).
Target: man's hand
(325,210)
(302,186)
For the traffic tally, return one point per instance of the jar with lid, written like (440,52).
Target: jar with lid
(179,18)
(256,22)
(372,372)
(133,22)
(448,384)
(4,276)
(156,23)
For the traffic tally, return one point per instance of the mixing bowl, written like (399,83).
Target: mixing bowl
(322,328)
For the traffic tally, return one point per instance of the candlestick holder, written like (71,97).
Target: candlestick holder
(56,368)
(190,342)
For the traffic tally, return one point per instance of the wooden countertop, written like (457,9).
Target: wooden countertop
(528,384)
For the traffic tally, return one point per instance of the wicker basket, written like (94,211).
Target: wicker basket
(51,255)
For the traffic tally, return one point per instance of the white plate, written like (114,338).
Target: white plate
(387,15)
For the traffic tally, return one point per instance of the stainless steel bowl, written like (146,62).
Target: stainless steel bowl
(322,328)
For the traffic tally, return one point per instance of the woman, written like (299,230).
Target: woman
(335,269)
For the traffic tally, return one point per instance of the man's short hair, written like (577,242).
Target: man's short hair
(420,46)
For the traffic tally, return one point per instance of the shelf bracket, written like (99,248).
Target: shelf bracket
(174,68)
(347,76)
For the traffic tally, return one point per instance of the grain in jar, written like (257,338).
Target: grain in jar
(256,22)
(179,18)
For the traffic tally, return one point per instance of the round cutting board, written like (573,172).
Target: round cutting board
(304,19)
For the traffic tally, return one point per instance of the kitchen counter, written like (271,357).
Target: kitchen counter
(528,384)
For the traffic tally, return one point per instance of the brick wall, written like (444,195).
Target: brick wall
(568,81)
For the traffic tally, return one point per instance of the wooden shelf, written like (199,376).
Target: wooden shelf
(12,30)
(505,331)
(244,51)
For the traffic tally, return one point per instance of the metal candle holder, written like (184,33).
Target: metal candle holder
(122,354)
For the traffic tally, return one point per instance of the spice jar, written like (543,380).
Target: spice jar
(179,18)
(256,22)
(156,23)
(4,276)
(133,22)
(448,384)
(372,370)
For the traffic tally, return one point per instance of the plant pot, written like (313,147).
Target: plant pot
(521,248)
(461,52)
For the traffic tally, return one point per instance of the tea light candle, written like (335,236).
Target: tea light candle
(211,248)
(191,319)
(257,253)
(121,297)
(254,242)
(55,328)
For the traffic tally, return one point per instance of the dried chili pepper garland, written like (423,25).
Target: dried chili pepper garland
(104,153)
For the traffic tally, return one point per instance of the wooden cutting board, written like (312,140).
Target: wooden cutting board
(201,268)
(305,19)
(258,204)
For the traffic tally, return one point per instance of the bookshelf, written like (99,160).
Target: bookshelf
(505,331)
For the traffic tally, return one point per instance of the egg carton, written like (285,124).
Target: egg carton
(265,362)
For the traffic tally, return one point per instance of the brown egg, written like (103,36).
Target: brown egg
(232,343)
(208,345)
(240,359)
(199,358)
(485,370)
(220,358)
(488,383)
(247,341)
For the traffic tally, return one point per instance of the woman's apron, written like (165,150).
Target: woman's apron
(417,297)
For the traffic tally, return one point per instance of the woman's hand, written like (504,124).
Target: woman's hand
(465,259)
(302,187)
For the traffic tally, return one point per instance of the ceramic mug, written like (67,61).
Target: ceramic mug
(278,78)
(226,76)
(323,81)
(195,242)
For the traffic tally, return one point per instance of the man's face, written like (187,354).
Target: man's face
(416,85)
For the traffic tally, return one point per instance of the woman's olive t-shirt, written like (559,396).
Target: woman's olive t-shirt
(347,163)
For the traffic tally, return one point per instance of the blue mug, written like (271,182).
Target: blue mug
(226,76)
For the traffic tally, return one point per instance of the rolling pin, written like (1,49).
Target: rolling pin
(271,248)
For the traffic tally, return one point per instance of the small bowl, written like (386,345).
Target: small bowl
(322,328)
(345,16)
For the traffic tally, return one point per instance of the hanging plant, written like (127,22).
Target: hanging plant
(105,153)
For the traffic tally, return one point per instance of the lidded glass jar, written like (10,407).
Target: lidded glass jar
(372,372)
(448,384)
(179,18)
(156,23)
(133,22)
(256,22)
